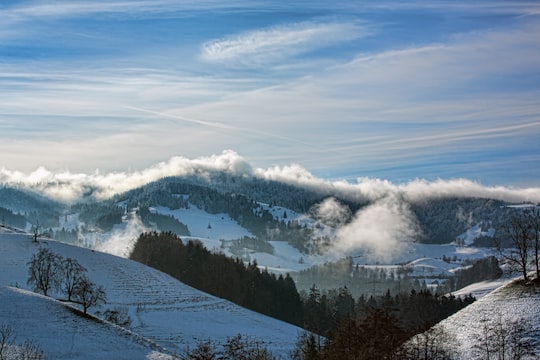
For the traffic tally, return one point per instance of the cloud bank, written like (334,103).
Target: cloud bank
(69,187)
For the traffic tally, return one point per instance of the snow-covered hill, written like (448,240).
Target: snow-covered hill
(495,316)
(163,310)
(61,333)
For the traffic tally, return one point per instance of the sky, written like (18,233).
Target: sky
(390,90)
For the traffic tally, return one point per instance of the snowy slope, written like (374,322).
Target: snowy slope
(507,303)
(211,229)
(473,233)
(62,334)
(163,310)
(205,225)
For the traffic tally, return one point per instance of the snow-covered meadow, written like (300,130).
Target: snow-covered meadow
(167,316)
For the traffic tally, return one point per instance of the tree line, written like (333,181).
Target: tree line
(219,275)
(162,222)
(359,280)
(334,314)
(7,217)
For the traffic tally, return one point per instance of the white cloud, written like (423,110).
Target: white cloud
(372,189)
(69,186)
(277,43)
(380,230)
(45,9)
(122,239)
(331,212)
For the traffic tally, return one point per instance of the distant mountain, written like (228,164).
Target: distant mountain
(34,207)
(253,203)
(439,220)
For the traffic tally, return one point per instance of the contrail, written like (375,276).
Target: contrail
(218,125)
(177,117)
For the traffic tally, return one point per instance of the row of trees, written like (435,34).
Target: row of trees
(103,215)
(475,271)
(48,271)
(7,217)
(358,279)
(504,339)
(162,222)
(235,348)
(380,335)
(326,311)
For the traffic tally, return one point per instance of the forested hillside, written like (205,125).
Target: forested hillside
(334,314)
(248,201)
(216,274)
(442,220)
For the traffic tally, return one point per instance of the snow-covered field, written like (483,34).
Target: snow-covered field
(164,311)
(61,334)
(202,224)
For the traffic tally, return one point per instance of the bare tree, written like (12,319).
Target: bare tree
(244,348)
(36,231)
(205,350)
(519,233)
(533,218)
(44,271)
(504,339)
(30,350)
(433,344)
(72,272)
(306,347)
(119,316)
(88,294)
(7,338)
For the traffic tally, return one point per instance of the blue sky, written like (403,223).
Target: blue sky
(347,89)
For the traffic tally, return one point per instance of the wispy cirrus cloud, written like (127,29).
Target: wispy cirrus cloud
(276,43)
(46,9)
(366,91)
